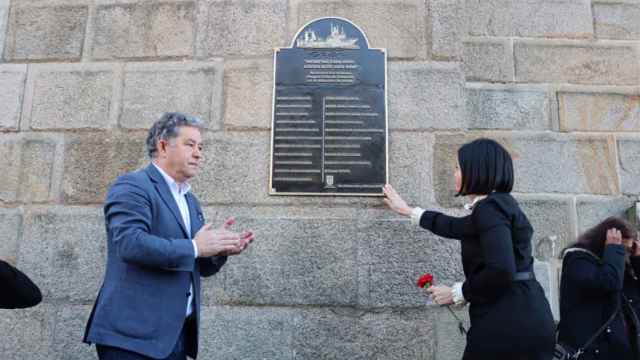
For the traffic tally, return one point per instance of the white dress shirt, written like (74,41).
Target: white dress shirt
(179,191)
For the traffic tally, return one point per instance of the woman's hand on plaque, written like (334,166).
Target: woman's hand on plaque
(395,202)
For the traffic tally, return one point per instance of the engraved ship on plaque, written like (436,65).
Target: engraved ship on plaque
(336,39)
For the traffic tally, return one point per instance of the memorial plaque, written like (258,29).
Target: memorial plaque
(329,129)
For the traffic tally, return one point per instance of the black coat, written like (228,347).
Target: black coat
(509,319)
(16,290)
(591,289)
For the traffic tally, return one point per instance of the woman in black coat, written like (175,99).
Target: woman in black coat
(599,278)
(16,289)
(510,316)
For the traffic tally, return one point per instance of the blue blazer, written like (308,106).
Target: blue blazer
(142,303)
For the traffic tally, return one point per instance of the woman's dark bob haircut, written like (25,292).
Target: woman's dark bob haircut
(595,238)
(486,167)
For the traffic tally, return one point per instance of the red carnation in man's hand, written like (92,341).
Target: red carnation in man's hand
(425,280)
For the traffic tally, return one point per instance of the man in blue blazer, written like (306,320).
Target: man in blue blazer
(158,248)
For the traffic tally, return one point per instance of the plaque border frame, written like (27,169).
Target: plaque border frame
(273,101)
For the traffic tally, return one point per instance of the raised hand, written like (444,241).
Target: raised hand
(246,237)
(614,237)
(221,241)
(395,202)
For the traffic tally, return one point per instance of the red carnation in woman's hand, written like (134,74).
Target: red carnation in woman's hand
(425,280)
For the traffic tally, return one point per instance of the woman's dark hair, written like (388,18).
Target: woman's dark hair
(594,239)
(486,167)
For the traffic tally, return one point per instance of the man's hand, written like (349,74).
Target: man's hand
(221,241)
(246,237)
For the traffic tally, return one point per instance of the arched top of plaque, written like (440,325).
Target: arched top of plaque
(330,33)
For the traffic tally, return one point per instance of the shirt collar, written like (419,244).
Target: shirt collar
(472,204)
(180,189)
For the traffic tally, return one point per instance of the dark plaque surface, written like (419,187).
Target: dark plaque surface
(329,130)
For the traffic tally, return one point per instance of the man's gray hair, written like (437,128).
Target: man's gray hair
(167,128)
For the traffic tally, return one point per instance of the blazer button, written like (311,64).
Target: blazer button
(188,294)
(608,331)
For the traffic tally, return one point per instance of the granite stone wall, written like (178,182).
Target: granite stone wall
(557,82)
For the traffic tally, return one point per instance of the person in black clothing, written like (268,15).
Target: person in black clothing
(510,317)
(599,278)
(17,291)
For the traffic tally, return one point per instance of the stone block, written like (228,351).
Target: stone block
(576,62)
(240,28)
(425,95)
(86,179)
(629,164)
(53,32)
(235,168)
(507,108)
(393,254)
(72,97)
(316,333)
(218,213)
(146,29)
(64,250)
(4,13)
(544,163)
(380,243)
(542,18)
(448,27)
(37,165)
(27,333)
(599,112)
(356,334)
(42,3)
(488,60)
(27,167)
(592,210)
(10,232)
(248,94)
(248,333)
(410,164)
(68,333)
(445,158)
(345,262)
(450,342)
(11,148)
(617,20)
(12,78)
(152,89)
(580,164)
(397,25)
(306,262)
(550,216)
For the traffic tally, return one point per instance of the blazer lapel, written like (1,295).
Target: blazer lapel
(195,215)
(165,194)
